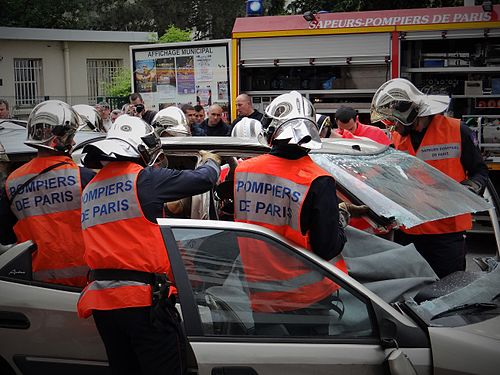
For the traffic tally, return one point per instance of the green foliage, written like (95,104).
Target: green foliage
(211,19)
(120,85)
(301,6)
(273,7)
(214,19)
(174,34)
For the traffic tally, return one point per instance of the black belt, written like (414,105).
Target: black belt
(124,275)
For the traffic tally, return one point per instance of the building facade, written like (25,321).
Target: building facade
(69,65)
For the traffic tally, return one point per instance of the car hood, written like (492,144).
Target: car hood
(471,349)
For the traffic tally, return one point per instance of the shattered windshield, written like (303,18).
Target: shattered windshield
(459,299)
(398,186)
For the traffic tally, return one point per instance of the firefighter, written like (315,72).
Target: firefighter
(300,204)
(129,292)
(42,201)
(171,122)
(421,129)
(90,119)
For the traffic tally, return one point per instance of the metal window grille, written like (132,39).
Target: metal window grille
(99,75)
(28,83)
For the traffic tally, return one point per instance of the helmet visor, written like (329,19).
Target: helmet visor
(403,111)
(299,131)
(325,127)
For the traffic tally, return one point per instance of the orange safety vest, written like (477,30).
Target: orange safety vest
(48,213)
(270,191)
(118,236)
(440,148)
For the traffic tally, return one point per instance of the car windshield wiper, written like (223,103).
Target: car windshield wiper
(468,306)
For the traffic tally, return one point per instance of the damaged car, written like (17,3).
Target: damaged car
(390,315)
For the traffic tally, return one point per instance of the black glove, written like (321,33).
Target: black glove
(472,186)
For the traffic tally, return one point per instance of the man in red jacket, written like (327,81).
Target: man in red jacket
(349,127)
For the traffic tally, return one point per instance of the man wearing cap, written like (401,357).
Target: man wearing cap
(421,129)
(104,110)
(349,127)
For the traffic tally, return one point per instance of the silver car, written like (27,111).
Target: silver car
(391,314)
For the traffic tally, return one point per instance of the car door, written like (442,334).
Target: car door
(229,335)
(40,332)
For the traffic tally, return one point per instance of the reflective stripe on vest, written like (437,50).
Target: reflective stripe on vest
(110,284)
(110,200)
(285,285)
(54,191)
(48,209)
(269,199)
(439,152)
(112,294)
(63,273)
(441,148)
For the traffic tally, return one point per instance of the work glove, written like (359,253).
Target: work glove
(207,155)
(231,161)
(472,186)
(344,216)
(354,210)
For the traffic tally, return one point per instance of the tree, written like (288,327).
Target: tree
(301,6)
(214,19)
(175,34)
(121,84)
(273,7)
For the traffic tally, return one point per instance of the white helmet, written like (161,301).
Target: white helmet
(324,125)
(91,119)
(288,106)
(293,121)
(52,125)
(248,128)
(171,122)
(129,137)
(398,100)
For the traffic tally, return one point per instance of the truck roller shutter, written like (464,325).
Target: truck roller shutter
(325,49)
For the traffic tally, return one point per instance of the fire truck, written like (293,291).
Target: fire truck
(338,59)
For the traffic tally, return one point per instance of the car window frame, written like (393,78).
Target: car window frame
(191,317)
(25,250)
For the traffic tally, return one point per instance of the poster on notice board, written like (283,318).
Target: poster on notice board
(182,73)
